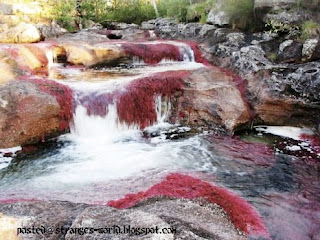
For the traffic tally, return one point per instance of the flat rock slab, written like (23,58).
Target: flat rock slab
(171,218)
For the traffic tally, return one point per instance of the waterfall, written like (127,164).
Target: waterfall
(163,108)
(106,129)
(52,59)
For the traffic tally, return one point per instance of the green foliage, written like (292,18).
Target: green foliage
(174,8)
(309,29)
(283,28)
(239,11)
(313,5)
(199,11)
(130,11)
(63,12)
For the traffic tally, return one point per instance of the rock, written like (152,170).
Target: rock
(45,216)
(189,29)
(166,27)
(212,98)
(316,52)
(218,17)
(283,17)
(290,51)
(6,73)
(22,33)
(4,27)
(250,59)
(28,113)
(309,48)
(148,25)
(305,80)
(104,217)
(6,9)
(206,30)
(274,4)
(181,219)
(90,55)
(193,219)
(50,31)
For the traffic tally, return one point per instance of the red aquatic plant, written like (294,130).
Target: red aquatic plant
(176,185)
(62,93)
(135,105)
(152,53)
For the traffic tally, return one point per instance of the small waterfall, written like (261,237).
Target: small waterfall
(52,59)
(188,54)
(107,129)
(163,108)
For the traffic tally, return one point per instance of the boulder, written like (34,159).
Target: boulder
(22,33)
(29,113)
(90,55)
(212,97)
(180,218)
(42,215)
(6,73)
(52,30)
(274,4)
(290,51)
(206,30)
(218,17)
(6,9)
(316,52)
(308,50)
(189,29)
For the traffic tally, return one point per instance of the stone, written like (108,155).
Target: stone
(218,17)
(309,47)
(52,30)
(189,29)
(316,52)
(22,33)
(274,4)
(148,25)
(290,51)
(46,216)
(213,98)
(90,55)
(27,114)
(206,30)
(6,9)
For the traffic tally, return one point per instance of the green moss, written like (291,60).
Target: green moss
(309,29)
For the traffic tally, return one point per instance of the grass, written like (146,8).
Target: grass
(309,29)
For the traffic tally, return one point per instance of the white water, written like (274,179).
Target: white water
(285,131)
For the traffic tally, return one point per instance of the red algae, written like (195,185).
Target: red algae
(176,185)
(62,93)
(255,153)
(152,53)
(136,104)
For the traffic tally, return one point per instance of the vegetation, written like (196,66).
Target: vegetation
(240,12)
(309,29)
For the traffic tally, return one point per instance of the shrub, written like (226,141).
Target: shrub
(199,11)
(240,12)
(309,29)
(174,8)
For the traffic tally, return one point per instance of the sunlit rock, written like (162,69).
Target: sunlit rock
(32,112)
(22,33)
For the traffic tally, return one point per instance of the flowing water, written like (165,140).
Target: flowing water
(102,159)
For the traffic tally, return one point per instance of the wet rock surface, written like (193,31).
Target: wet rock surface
(181,219)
